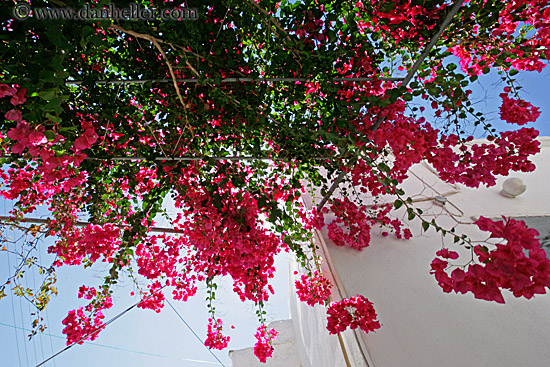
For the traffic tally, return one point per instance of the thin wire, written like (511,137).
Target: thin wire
(461,214)
(189,327)
(227,158)
(229,80)
(13,312)
(82,223)
(38,250)
(115,348)
(97,329)
(51,342)
(47,313)
(11,299)
(29,311)
(23,323)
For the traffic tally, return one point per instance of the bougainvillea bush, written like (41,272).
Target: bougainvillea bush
(234,115)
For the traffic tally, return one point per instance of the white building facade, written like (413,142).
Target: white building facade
(421,325)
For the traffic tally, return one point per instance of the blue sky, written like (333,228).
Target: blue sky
(139,337)
(535,90)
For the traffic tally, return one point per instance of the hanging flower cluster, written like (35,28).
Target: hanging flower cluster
(517,111)
(480,163)
(78,326)
(214,337)
(519,265)
(355,312)
(353,224)
(313,288)
(502,44)
(226,243)
(355,231)
(91,243)
(57,173)
(86,322)
(263,348)
(153,299)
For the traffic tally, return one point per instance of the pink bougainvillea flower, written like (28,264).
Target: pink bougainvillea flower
(13,115)
(263,348)
(446,254)
(86,140)
(37,138)
(19,97)
(517,111)
(215,339)
(7,91)
(519,265)
(313,289)
(354,312)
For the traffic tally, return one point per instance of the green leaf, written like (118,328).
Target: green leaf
(54,119)
(49,134)
(425,226)
(54,105)
(383,167)
(397,204)
(48,94)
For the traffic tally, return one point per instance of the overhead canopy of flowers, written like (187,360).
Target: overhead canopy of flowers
(232,112)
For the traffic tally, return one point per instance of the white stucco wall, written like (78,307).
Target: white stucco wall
(421,325)
(285,352)
(316,347)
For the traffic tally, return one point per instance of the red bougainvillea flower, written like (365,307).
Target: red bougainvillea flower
(517,111)
(19,97)
(79,326)
(355,312)
(87,139)
(446,254)
(519,265)
(313,288)
(7,91)
(13,115)
(215,338)
(86,322)
(263,348)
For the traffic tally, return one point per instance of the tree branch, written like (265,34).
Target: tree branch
(156,42)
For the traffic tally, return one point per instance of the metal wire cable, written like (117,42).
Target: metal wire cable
(228,80)
(23,323)
(114,348)
(46,309)
(26,280)
(189,327)
(13,311)
(12,304)
(97,329)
